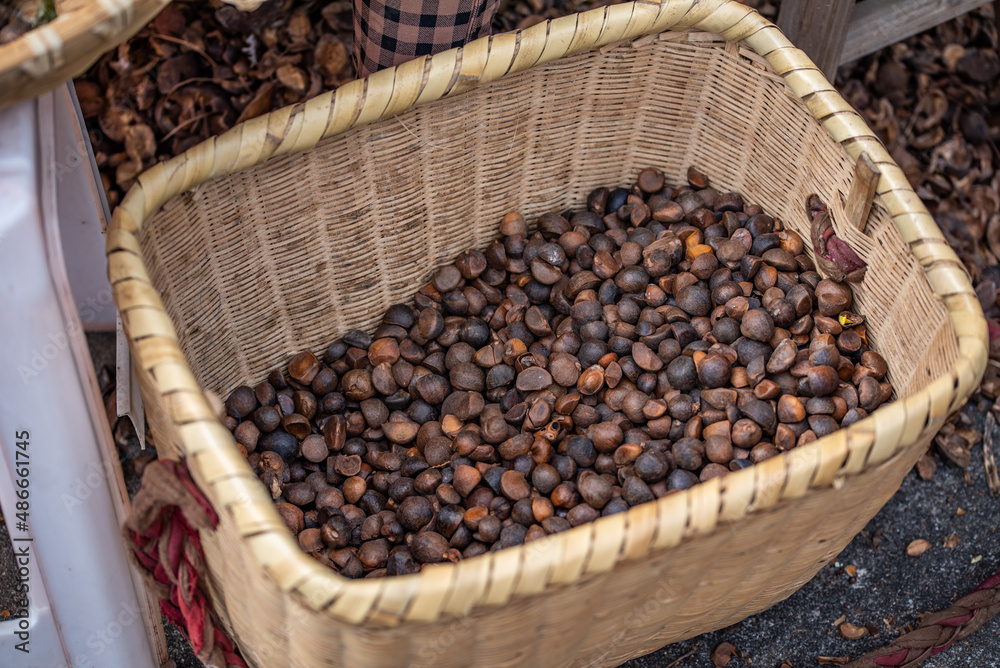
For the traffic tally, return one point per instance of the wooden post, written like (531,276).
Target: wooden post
(819,28)
(859,199)
(876,24)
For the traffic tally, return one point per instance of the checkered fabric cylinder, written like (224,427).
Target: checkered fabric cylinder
(390,32)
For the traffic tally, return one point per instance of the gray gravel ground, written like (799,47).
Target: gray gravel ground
(888,591)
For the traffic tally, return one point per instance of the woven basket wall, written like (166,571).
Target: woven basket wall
(290,229)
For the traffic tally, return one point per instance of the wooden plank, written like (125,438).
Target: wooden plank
(859,199)
(879,23)
(819,28)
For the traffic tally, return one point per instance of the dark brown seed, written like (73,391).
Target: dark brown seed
(714,371)
(695,300)
(849,341)
(466,478)
(446,278)
(682,373)
(565,495)
(565,370)
(242,402)
(746,433)
(247,434)
(314,448)
(590,381)
(292,516)
(533,379)
(514,486)
(374,553)
(594,489)
(783,357)
(383,350)
(757,324)
(790,409)
(780,259)
(869,394)
(303,367)
(310,541)
(875,362)
(267,418)
(832,297)
(400,433)
(646,358)
(296,425)
(357,384)
(335,433)
(763,451)
(651,466)
(823,380)
(415,512)
(513,225)
(347,465)
(697,179)
(688,453)
(650,180)
(635,491)
(718,449)
(429,547)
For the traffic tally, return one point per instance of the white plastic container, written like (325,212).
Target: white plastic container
(86,605)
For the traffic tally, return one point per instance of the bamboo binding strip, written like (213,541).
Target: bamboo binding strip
(55,52)
(297,225)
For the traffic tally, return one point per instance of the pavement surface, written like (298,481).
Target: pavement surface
(888,589)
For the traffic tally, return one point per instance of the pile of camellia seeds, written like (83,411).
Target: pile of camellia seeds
(658,339)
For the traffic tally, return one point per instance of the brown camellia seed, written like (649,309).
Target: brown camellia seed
(695,300)
(291,515)
(247,435)
(513,225)
(310,541)
(823,380)
(650,180)
(241,402)
(714,371)
(314,448)
(746,433)
(429,547)
(590,381)
(875,362)
(646,358)
(354,489)
(303,367)
(832,297)
(533,378)
(757,325)
(466,478)
(696,178)
(514,486)
(347,465)
(661,338)
(718,449)
(414,512)
(357,385)
(790,409)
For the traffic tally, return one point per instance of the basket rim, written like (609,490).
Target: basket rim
(591,548)
(67,46)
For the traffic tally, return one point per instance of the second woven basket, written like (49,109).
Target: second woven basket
(294,227)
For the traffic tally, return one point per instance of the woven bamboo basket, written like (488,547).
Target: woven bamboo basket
(294,227)
(66,47)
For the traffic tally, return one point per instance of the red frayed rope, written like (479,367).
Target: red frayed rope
(939,631)
(163,529)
